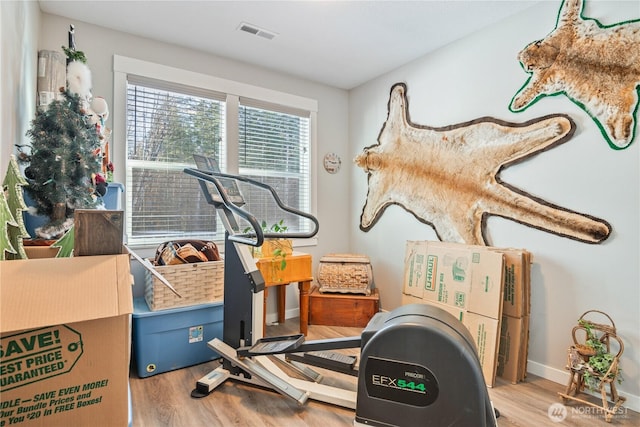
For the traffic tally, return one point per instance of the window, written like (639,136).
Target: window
(273,147)
(252,132)
(164,128)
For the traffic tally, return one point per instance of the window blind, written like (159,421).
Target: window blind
(166,125)
(274,148)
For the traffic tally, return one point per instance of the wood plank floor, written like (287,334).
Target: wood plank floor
(164,399)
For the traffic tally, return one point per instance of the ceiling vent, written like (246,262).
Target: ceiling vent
(256,31)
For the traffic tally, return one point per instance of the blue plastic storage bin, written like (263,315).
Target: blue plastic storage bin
(113,197)
(175,338)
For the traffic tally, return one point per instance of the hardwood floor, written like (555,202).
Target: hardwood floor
(164,399)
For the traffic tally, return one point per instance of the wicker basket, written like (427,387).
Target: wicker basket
(197,283)
(345,273)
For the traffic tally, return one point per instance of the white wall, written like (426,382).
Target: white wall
(19,23)
(477,77)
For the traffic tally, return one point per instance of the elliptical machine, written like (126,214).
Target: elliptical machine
(418,363)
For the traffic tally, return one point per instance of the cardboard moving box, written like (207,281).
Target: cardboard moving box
(517,282)
(463,276)
(513,350)
(465,280)
(486,288)
(65,330)
(483,329)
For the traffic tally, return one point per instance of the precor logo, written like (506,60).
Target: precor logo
(557,412)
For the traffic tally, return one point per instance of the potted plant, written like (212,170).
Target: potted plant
(274,251)
(277,249)
(599,360)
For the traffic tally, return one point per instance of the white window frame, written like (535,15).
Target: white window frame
(124,66)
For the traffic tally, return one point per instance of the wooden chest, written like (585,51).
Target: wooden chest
(333,309)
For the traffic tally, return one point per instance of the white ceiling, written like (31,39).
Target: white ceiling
(338,43)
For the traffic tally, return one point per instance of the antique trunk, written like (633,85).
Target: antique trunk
(338,309)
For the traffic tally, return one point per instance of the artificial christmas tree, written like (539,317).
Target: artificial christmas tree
(64,157)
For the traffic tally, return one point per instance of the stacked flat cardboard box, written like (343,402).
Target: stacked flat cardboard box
(514,332)
(469,282)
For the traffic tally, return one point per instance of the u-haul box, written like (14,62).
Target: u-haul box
(484,330)
(415,270)
(463,276)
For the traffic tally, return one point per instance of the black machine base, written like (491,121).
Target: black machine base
(419,362)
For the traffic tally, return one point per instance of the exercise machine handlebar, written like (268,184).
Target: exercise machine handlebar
(257,235)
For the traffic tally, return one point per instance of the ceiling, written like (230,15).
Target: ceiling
(338,43)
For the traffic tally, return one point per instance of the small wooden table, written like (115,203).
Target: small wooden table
(298,269)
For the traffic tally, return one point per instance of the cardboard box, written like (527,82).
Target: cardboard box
(65,328)
(524,352)
(448,276)
(517,282)
(415,269)
(486,334)
(487,288)
(527,284)
(487,284)
(484,330)
(466,281)
(512,346)
(463,276)
(174,338)
(36,252)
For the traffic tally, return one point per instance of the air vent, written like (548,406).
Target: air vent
(256,31)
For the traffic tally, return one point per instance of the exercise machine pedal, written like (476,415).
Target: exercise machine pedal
(272,345)
(303,370)
(332,360)
(256,369)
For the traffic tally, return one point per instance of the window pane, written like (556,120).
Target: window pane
(274,148)
(164,129)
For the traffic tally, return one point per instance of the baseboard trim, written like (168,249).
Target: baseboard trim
(272,318)
(562,377)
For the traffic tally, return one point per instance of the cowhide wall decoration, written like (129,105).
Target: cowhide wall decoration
(596,66)
(448,177)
